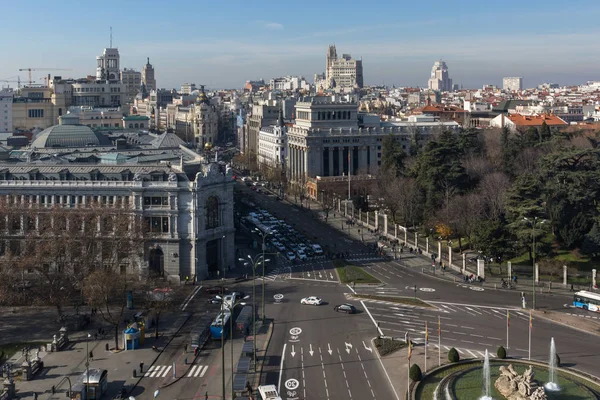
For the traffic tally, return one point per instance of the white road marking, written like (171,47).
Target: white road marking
(193,369)
(190,297)
(473,354)
(374,323)
(281,367)
(166,371)
(151,369)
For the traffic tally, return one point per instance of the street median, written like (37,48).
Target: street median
(411,301)
(351,274)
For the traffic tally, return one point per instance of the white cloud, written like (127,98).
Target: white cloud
(274,26)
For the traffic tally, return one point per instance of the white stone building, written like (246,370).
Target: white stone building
(108,65)
(342,73)
(6,110)
(289,83)
(439,79)
(132,80)
(512,83)
(272,145)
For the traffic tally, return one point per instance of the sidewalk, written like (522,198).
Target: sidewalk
(70,363)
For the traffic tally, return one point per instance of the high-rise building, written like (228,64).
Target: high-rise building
(6,110)
(512,83)
(148,76)
(440,80)
(132,80)
(108,68)
(342,72)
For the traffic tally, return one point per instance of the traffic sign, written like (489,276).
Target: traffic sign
(295,331)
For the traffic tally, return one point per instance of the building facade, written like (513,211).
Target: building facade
(108,65)
(148,78)
(190,221)
(263,114)
(205,121)
(328,140)
(343,73)
(6,110)
(513,84)
(272,145)
(440,80)
(132,80)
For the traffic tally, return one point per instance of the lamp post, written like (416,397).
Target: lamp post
(230,308)
(533,222)
(254,261)
(87,365)
(264,236)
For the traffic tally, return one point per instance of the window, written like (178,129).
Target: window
(36,113)
(212,212)
(158,224)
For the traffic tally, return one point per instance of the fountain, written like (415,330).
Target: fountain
(552,386)
(486,378)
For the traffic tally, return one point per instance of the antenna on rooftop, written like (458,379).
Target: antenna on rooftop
(111,37)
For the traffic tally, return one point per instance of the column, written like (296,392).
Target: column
(440,249)
(427,245)
(341,160)
(480,268)
(367,218)
(594,278)
(509,270)
(464,263)
(346,209)
(395,231)
(449,256)
(405,236)
(385,225)
(376,219)
(564,275)
(416,240)
(536,273)
(330,149)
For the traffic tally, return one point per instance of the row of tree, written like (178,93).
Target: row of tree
(58,256)
(499,189)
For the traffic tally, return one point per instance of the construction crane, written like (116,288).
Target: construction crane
(8,81)
(41,69)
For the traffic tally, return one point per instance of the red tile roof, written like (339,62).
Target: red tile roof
(536,120)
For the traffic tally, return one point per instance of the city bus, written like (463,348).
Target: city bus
(220,326)
(587,300)
(268,392)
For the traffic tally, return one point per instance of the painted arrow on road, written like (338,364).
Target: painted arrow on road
(308,273)
(329,349)
(348,347)
(293,352)
(367,348)
(331,276)
(320,276)
(311,352)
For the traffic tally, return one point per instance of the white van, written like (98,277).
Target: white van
(268,392)
(317,249)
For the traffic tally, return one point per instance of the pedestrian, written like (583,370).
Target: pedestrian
(91,356)
(95,336)
(141,367)
(185,348)
(572,290)
(35,396)
(187,278)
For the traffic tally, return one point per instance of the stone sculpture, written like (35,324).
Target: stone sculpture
(513,386)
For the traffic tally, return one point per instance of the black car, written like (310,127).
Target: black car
(214,300)
(347,308)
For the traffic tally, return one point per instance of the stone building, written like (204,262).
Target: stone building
(187,204)
(148,79)
(132,80)
(272,145)
(205,121)
(342,72)
(439,79)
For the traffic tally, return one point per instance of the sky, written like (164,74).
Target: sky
(223,44)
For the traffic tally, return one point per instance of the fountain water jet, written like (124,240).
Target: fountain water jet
(552,386)
(486,378)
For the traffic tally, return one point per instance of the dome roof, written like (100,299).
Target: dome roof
(202,97)
(69,136)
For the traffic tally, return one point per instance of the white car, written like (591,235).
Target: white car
(301,255)
(312,300)
(317,249)
(290,256)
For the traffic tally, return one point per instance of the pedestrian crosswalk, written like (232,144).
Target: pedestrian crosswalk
(197,371)
(477,310)
(158,371)
(162,371)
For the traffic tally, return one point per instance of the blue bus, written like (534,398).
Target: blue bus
(220,326)
(587,300)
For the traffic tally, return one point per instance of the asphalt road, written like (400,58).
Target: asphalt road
(318,353)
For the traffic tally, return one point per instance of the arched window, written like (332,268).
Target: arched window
(212,212)
(137,125)
(130,125)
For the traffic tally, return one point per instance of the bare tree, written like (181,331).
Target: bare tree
(493,188)
(390,189)
(326,201)
(161,297)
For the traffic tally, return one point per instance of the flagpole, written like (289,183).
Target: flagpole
(439,343)
(530,327)
(408,369)
(507,326)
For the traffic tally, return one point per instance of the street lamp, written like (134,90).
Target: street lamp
(255,262)
(230,308)
(87,365)
(533,222)
(264,236)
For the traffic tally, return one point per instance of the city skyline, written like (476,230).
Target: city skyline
(222,48)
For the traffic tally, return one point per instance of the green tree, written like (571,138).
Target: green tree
(453,355)
(415,373)
(501,353)
(545,133)
(492,239)
(393,155)
(591,242)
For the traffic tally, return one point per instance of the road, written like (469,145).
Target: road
(323,354)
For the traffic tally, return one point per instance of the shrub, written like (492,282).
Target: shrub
(453,355)
(501,353)
(415,373)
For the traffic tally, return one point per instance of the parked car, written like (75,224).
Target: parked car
(312,300)
(347,308)
(290,256)
(301,255)
(317,249)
